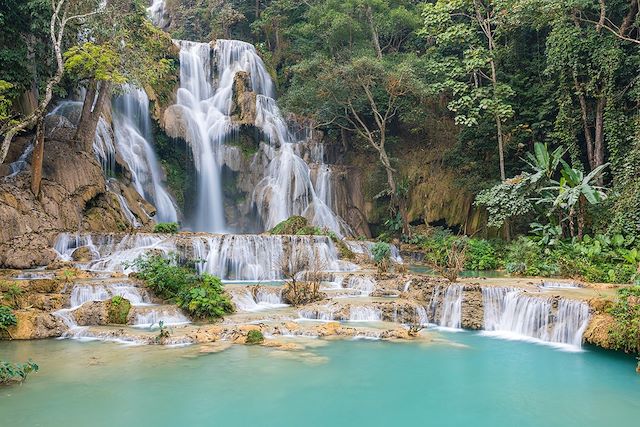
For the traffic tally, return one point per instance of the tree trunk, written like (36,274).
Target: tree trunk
(598,147)
(374,33)
(37,158)
(581,215)
(584,113)
(91,112)
(572,230)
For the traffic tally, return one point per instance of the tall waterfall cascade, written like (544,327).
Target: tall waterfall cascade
(132,128)
(128,137)
(205,99)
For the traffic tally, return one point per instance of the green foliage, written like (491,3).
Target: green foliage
(626,330)
(118,310)
(201,296)
(7,319)
(292,225)
(16,372)
(166,227)
(381,252)
(5,103)
(94,61)
(11,294)
(206,299)
(254,337)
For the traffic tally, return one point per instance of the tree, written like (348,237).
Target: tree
(62,13)
(465,64)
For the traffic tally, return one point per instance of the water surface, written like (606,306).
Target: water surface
(471,380)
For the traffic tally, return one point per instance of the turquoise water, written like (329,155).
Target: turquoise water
(478,382)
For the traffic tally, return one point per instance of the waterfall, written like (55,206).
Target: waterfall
(132,127)
(512,314)
(325,314)
(112,252)
(262,257)
(152,316)
(264,299)
(364,314)
(204,103)
(451,312)
(364,284)
(421,314)
(157,13)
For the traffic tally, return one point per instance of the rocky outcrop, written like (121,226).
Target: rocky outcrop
(36,324)
(243,106)
(472,308)
(74,197)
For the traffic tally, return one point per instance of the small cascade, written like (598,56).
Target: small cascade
(19,165)
(132,127)
(82,293)
(451,312)
(147,317)
(512,314)
(103,145)
(364,284)
(262,299)
(325,314)
(571,321)
(112,252)
(364,314)
(421,315)
(157,14)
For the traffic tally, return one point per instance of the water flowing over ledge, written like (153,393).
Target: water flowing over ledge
(228,256)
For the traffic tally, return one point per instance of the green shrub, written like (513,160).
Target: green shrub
(626,311)
(201,296)
(16,372)
(11,294)
(290,225)
(205,299)
(118,310)
(254,337)
(166,227)
(7,319)
(381,252)
(480,255)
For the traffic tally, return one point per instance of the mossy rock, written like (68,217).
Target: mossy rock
(291,225)
(118,310)
(254,337)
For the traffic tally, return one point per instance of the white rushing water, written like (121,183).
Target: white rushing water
(204,103)
(113,252)
(133,135)
(364,313)
(263,299)
(263,257)
(364,284)
(451,311)
(512,314)
(146,314)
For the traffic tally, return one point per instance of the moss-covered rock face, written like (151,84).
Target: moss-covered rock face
(292,225)
(254,337)
(118,310)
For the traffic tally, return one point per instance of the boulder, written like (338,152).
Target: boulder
(82,254)
(33,324)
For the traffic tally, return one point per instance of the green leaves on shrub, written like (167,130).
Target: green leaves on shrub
(254,337)
(201,296)
(7,319)
(16,372)
(166,227)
